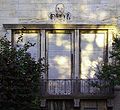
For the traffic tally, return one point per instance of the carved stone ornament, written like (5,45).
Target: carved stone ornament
(43,103)
(76,102)
(60,13)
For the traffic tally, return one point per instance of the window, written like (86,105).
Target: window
(92,51)
(31,36)
(69,53)
(59,53)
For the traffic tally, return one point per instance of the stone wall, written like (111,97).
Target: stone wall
(82,11)
(37,11)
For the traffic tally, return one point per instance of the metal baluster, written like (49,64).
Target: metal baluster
(65,92)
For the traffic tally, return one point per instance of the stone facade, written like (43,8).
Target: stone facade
(81,11)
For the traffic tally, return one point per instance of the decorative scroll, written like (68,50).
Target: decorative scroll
(75,87)
(59,87)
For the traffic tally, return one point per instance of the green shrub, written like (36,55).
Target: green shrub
(110,71)
(19,77)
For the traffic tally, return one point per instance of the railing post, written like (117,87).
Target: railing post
(77,86)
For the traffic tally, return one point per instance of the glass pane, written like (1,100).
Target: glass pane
(32,38)
(92,46)
(59,56)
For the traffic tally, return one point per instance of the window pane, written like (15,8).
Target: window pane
(92,46)
(32,38)
(59,56)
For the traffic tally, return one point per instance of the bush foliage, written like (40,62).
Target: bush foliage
(19,77)
(110,71)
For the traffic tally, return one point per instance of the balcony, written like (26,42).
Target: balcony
(75,88)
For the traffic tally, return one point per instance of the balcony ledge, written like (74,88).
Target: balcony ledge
(117,88)
(78,96)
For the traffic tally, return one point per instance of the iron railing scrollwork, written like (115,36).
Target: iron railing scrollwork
(75,87)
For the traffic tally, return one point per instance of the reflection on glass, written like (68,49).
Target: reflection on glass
(92,46)
(59,56)
(32,38)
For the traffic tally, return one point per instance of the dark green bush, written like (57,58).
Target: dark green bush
(110,71)
(19,77)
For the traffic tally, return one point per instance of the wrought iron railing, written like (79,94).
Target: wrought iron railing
(75,87)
